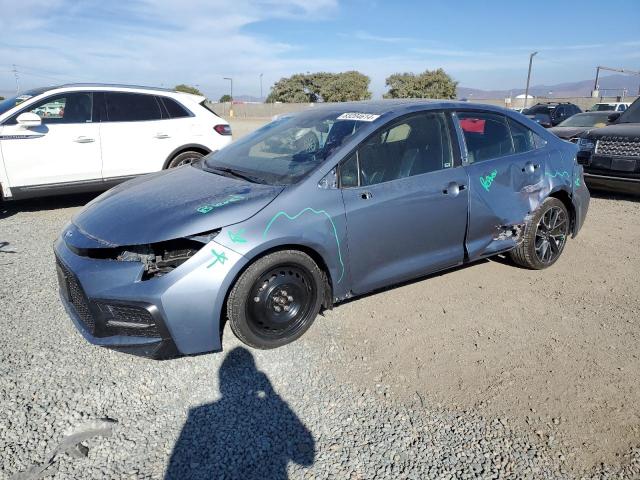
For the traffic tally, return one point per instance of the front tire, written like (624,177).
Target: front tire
(276,299)
(185,158)
(545,236)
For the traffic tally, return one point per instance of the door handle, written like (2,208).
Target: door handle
(530,167)
(453,189)
(366,195)
(161,136)
(84,140)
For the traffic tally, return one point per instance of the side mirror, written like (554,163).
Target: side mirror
(29,119)
(612,117)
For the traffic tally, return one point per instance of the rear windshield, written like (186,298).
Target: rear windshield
(586,120)
(207,105)
(602,107)
(538,109)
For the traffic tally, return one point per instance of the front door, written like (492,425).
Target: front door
(506,165)
(405,203)
(65,149)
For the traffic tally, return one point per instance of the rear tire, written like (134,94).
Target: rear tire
(276,299)
(545,236)
(185,158)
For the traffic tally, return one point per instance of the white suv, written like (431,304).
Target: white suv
(79,138)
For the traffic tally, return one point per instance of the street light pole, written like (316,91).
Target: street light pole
(261,86)
(231,95)
(526,92)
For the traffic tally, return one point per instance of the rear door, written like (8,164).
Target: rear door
(405,202)
(65,149)
(505,162)
(136,135)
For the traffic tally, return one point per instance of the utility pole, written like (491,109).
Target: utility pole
(231,95)
(15,73)
(526,92)
(261,86)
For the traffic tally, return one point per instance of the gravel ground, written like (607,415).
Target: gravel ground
(339,403)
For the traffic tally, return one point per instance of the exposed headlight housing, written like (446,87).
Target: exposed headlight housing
(586,144)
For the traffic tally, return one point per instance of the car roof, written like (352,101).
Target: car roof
(113,85)
(379,107)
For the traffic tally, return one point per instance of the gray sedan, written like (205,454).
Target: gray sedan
(308,211)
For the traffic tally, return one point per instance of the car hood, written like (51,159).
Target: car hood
(568,132)
(626,130)
(166,205)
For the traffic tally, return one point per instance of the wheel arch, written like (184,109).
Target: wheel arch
(327,302)
(190,147)
(565,197)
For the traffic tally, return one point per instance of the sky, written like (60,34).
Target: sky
(482,44)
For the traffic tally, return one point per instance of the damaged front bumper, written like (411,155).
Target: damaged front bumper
(113,306)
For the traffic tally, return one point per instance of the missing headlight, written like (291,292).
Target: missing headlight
(158,258)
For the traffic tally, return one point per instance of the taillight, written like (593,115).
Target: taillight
(223,129)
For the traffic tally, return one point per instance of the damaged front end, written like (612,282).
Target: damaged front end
(158,259)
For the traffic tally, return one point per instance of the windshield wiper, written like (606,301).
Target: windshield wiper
(234,173)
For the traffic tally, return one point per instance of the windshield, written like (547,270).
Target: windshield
(285,150)
(631,114)
(602,107)
(8,103)
(585,120)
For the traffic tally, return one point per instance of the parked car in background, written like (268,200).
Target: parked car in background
(270,229)
(609,107)
(611,154)
(550,114)
(78,138)
(574,126)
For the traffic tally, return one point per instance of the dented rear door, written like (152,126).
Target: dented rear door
(505,163)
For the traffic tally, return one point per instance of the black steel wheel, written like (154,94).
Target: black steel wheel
(545,236)
(276,299)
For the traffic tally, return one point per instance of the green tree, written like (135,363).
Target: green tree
(428,84)
(225,98)
(1,98)
(321,87)
(188,89)
(345,87)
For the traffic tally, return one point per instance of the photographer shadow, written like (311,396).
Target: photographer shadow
(250,433)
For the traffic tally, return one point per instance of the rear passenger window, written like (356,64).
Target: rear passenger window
(523,139)
(174,109)
(486,135)
(131,107)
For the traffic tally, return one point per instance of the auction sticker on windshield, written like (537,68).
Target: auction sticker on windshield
(362,117)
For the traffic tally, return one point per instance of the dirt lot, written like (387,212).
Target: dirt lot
(556,350)
(552,356)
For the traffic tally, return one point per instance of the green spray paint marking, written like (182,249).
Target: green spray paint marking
(488,180)
(236,237)
(557,174)
(219,258)
(317,212)
(577,181)
(208,207)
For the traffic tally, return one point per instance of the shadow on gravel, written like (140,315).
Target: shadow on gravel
(250,433)
(8,209)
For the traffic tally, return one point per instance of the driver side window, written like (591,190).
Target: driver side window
(65,108)
(415,145)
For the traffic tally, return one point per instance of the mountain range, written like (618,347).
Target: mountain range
(613,83)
